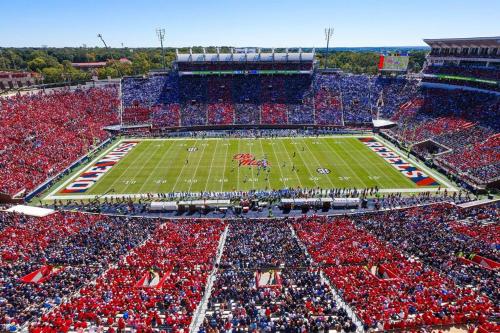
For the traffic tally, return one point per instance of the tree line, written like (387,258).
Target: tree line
(54,64)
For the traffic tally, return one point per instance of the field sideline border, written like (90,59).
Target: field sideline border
(443,181)
(52,195)
(433,173)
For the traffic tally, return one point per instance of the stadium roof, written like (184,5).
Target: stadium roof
(464,42)
(246,57)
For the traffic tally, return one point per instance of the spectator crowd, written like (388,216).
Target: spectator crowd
(43,133)
(266,283)
(89,268)
(401,269)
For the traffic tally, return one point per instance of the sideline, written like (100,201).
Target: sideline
(179,194)
(411,159)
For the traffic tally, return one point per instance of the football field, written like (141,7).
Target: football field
(223,165)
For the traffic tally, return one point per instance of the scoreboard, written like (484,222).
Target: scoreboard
(393,63)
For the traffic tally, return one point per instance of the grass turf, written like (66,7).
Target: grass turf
(155,166)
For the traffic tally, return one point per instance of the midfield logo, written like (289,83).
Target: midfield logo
(323,171)
(249,160)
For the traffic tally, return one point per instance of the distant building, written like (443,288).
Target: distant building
(88,66)
(125,61)
(15,80)
(482,51)
(470,62)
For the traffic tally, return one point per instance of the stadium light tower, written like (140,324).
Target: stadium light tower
(160,32)
(328,36)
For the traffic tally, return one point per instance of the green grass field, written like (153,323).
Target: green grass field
(191,165)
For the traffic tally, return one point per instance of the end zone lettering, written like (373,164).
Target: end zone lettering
(410,171)
(90,176)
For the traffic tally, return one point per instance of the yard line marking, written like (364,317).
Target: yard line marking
(198,165)
(144,165)
(290,160)
(170,167)
(211,165)
(155,173)
(342,160)
(308,170)
(238,181)
(319,164)
(279,166)
(224,170)
(182,170)
(264,153)
(332,149)
(251,168)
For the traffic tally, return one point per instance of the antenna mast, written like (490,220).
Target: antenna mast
(102,39)
(120,110)
(328,36)
(160,32)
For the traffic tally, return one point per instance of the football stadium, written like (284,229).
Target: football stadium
(248,189)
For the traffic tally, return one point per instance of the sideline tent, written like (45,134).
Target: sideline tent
(382,123)
(30,210)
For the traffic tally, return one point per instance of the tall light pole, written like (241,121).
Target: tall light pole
(160,32)
(328,36)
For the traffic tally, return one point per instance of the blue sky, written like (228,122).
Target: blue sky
(263,23)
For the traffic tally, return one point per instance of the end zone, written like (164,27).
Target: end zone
(92,174)
(53,195)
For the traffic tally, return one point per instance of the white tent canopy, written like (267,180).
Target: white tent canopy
(382,123)
(30,210)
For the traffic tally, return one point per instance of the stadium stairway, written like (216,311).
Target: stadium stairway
(201,309)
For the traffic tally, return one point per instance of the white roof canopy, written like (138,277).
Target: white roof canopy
(247,57)
(30,210)
(382,123)
(464,42)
